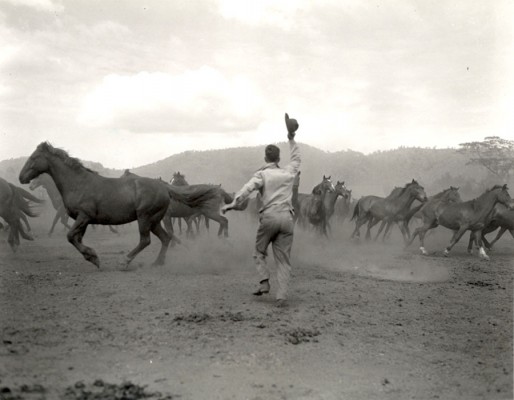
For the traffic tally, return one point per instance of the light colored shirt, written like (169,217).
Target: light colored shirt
(274,183)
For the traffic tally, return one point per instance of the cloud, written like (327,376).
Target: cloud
(201,100)
(39,5)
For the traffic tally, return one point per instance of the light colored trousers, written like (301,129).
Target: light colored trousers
(275,228)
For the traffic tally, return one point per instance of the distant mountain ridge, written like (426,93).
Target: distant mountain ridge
(376,173)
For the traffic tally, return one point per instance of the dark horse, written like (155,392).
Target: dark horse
(210,207)
(12,206)
(430,212)
(180,180)
(473,215)
(503,218)
(93,199)
(312,208)
(374,209)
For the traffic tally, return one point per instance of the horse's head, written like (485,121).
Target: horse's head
(36,164)
(342,190)
(452,195)
(178,179)
(504,196)
(417,191)
(327,185)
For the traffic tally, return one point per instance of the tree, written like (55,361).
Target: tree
(494,153)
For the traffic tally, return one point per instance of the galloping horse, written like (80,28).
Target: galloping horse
(447,196)
(12,206)
(210,208)
(312,206)
(502,218)
(93,199)
(387,208)
(180,180)
(430,212)
(473,215)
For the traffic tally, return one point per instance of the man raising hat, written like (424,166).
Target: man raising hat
(276,224)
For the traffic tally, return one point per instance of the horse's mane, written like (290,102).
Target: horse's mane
(494,188)
(72,162)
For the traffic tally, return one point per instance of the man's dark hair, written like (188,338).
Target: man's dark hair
(272,153)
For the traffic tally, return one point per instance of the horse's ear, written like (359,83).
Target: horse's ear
(342,183)
(505,187)
(324,177)
(413,181)
(329,177)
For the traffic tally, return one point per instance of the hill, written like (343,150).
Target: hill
(375,173)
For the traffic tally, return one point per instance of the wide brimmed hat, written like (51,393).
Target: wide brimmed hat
(291,124)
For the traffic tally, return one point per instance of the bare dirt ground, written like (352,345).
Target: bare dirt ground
(364,321)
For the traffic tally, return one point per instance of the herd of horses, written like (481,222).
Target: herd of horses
(88,198)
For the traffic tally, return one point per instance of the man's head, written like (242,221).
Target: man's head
(272,154)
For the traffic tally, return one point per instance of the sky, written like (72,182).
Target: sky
(130,82)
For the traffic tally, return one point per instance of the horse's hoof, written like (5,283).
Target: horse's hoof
(446,253)
(423,251)
(483,254)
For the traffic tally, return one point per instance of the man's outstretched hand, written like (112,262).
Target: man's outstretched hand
(292,127)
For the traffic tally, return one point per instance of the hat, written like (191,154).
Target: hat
(291,124)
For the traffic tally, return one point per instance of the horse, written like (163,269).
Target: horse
(312,206)
(473,215)
(210,208)
(12,206)
(180,180)
(331,198)
(343,206)
(399,200)
(90,198)
(429,213)
(502,218)
(402,219)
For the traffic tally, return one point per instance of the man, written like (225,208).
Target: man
(275,185)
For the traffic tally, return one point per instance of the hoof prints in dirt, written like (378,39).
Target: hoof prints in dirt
(24,392)
(300,335)
(101,390)
(202,317)
(98,390)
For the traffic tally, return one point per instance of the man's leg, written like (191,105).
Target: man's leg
(282,244)
(264,234)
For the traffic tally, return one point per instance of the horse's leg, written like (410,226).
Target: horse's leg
(168,224)
(381,228)
(223,221)
(163,236)
(25,221)
(179,222)
(498,236)
(456,237)
(371,223)
(13,238)
(405,233)
(358,223)
(472,239)
(206,223)
(144,225)
(75,235)
(421,232)
(56,218)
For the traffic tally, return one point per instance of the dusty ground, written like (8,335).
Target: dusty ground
(365,321)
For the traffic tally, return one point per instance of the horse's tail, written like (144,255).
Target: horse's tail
(227,197)
(22,204)
(355,210)
(193,195)
(28,195)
